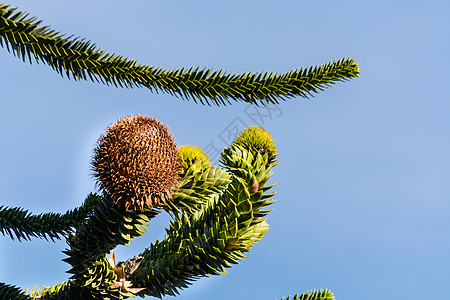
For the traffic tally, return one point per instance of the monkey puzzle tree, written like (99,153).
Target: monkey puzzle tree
(218,213)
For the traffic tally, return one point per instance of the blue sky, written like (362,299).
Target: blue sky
(363,192)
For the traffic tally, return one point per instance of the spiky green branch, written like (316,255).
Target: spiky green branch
(214,238)
(204,242)
(218,215)
(106,229)
(9,292)
(12,292)
(199,183)
(79,59)
(315,295)
(20,223)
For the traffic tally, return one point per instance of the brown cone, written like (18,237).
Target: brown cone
(136,162)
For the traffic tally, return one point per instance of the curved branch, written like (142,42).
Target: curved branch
(79,59)
(20,223)
(213,238)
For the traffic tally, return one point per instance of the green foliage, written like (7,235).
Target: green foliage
(9,292)
(218,214)
(192,154)
(316,295)
(211,239)
(79,59)
(199,182)
(20,223)
(106,229)
(258,139)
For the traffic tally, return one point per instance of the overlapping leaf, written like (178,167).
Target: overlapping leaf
(198,183)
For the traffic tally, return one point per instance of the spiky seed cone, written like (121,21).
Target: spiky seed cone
(256,138)
(136,162)
(192,154)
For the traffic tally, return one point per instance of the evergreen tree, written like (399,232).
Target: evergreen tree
(218,213)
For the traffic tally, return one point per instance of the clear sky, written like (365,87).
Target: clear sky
(363,194)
